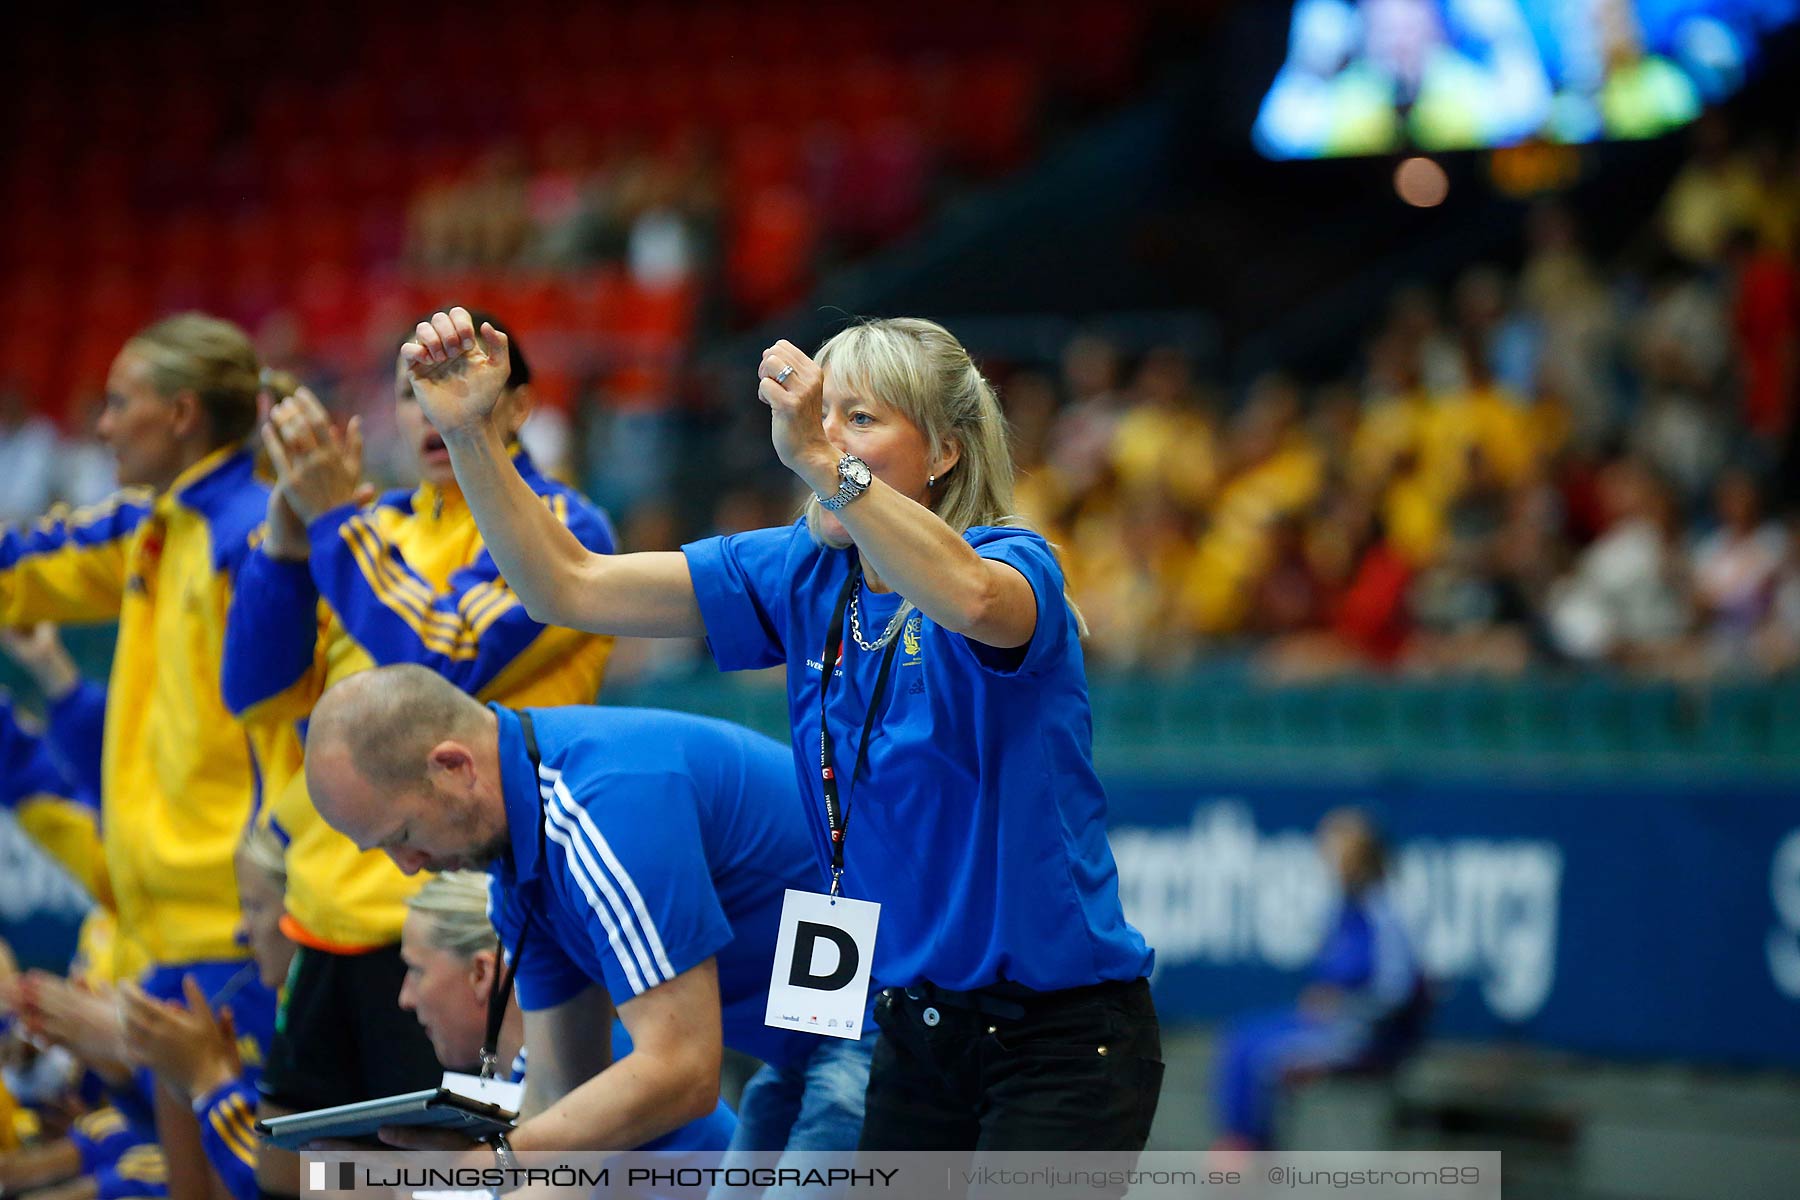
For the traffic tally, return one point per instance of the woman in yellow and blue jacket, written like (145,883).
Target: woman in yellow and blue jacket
(178,775)
(343,587)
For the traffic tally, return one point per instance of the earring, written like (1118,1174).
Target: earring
(930,482)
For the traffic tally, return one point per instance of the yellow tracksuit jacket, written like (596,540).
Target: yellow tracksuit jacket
(178,775)
(405,580)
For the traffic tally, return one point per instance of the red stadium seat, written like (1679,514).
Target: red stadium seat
(995,105)
(188,115)
(349,112)
(869,91)
(329,303)
(40,303)
(256,244)
(309,172)
(239,179)
(844,31)
(554,387)
(91,353)
(258,293)
(283,114)
(533,303)
(769,262)
(391,307)
(39,370)
(596,304)
(551,102)
(186,243)
(646,33)
(657,316)
(370,171)
(762,157)
(653,323)
(115,302)
(38,239)
(381,234)
(881,189)
(116,115)
(113,241)
(136,156)
(185,289)
(733,96)
(321,236)
(102,180)
(714,35)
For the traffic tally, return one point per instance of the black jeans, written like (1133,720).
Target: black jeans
(1075,1070)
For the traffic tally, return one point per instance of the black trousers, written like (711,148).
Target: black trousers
(342,1035)
(1072,1070)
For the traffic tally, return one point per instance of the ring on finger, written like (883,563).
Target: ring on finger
(781,376)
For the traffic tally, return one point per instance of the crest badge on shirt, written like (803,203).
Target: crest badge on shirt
(823,950)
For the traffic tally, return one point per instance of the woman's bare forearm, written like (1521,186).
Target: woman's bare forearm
(911,550)
(560,581)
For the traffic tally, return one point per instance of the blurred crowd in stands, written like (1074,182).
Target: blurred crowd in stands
(1566,463)
(1575,463)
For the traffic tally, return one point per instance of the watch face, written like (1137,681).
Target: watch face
(857,472)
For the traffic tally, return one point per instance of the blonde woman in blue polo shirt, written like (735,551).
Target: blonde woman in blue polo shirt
(1016,1013)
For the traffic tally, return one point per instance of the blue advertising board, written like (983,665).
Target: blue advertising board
(1631,920)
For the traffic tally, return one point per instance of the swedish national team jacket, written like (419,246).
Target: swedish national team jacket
(405,580)
(178,775)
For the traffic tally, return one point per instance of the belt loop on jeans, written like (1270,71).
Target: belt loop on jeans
(977,1001)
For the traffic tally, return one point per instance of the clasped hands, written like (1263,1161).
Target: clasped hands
(318,467)
(190,1048)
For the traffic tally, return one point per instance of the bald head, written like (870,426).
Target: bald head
(389,718)
(401,760)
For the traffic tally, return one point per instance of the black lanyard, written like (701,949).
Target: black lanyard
(500,991)
(837,814)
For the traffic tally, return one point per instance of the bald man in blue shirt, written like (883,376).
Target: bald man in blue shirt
(640,860)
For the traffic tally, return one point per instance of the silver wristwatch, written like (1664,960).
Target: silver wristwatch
(854,478)
(505,1159)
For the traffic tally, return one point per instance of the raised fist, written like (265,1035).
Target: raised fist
(457,375)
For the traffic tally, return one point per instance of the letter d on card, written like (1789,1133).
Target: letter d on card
(823,950)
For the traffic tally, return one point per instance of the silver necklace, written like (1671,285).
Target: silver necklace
(887,635)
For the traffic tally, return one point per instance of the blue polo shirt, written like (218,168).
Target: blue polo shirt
(648,843)
(977,823)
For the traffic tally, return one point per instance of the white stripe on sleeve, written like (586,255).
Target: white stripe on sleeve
(575,831)
(626,884)
(556,831)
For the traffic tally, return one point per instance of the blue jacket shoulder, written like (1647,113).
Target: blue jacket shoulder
(233,502)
